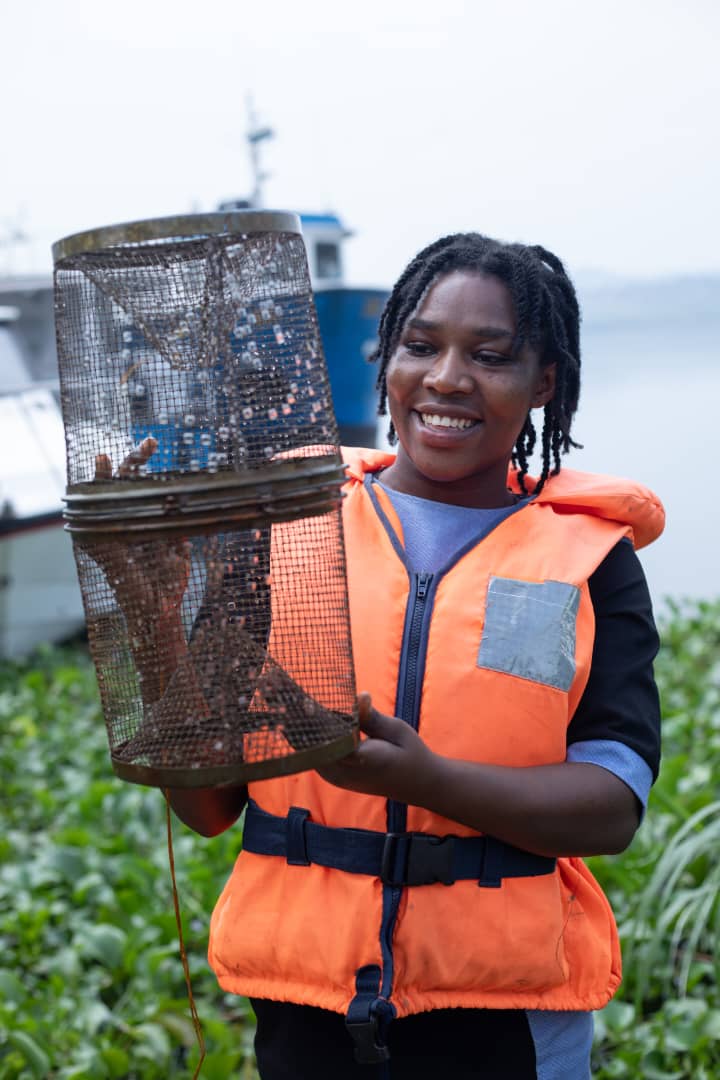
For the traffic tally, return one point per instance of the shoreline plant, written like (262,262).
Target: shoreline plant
(91,984)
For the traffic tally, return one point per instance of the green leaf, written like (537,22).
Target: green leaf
(65,963)
(180,1027)
(117,1062)
(711,1025)
(93,1015)
(619,1015)
(685,1009)
(36,1057)
(11,989)
(107,944)
(153,1042)
(681,1037)
(655,1067)
(221,1066)
(68,861)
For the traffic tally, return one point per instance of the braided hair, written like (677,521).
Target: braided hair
(547,318)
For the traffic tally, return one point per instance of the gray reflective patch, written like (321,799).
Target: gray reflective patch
(530,630)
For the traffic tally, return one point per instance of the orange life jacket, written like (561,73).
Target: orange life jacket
(302,933)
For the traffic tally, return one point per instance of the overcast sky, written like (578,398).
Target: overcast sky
(588,127)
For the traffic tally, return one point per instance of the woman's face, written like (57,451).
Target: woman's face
(458,398)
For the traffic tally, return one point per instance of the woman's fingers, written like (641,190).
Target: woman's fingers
(364,709)
(377,725)
(103,467)
(138,456)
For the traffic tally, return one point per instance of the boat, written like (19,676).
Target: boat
(348,316)
(39,595)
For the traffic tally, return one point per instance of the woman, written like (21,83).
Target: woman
(423,904)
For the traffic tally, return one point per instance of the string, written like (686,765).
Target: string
(183,955)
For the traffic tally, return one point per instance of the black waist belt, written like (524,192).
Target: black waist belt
(396,858)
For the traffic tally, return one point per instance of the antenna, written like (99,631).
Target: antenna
(12,237)
(255,135)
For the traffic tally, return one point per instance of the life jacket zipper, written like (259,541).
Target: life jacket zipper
(411,690)
(408,699)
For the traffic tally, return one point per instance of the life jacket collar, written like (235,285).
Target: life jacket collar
(570,492)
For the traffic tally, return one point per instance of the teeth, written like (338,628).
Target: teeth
(434,420)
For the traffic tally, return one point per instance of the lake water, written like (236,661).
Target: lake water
(649,410)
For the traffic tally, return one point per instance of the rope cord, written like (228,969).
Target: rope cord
(183,955)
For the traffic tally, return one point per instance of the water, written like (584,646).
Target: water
(649,410)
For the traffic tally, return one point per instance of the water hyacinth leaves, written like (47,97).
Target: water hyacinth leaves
(91,984)
(682,902)
(665,1021)
(87,851)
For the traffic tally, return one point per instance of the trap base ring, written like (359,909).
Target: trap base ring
(240,773)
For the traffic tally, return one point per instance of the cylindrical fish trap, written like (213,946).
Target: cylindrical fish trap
(203,497)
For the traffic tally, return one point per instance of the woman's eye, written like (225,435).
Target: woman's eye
(491,358)
(418,348)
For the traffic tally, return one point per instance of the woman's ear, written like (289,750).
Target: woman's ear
(545,390)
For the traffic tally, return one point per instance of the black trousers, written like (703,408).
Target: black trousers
(297,1042)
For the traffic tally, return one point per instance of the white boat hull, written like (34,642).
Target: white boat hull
(40,598)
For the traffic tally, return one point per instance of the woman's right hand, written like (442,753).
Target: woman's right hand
(148,578)
(130,465)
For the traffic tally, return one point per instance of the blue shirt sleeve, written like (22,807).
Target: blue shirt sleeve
(618,759)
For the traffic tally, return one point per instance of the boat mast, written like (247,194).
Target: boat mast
(12,237)
(255,136)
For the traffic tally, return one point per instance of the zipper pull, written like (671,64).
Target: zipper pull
(423,584)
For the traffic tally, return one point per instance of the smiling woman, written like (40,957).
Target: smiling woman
(502,633)
(460,390)
(532,307)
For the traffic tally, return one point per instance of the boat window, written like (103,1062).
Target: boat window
(327,260)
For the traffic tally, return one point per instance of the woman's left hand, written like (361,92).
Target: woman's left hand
(562,809)
(391,761)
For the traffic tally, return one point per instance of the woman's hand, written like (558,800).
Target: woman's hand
(149,580)
(391,761)
(555,810)
(130,465)
(145,588)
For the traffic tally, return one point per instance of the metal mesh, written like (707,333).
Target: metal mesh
(211,562)
(211,345)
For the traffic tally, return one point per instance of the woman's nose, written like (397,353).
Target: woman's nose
(449,374)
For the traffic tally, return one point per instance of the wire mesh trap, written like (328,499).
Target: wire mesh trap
(203,497)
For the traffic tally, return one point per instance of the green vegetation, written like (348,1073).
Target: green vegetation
(665,1022)
(91,984)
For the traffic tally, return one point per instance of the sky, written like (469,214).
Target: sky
(590,128)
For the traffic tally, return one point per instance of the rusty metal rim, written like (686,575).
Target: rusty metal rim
(255,517)
(284,469)
(240,773)
(295,504)
(176,227)
(171,505)
(296,495)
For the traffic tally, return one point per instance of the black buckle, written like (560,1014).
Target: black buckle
(417,859)
(364,1034)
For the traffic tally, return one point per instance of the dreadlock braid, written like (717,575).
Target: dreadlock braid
(547,317)
(523,450)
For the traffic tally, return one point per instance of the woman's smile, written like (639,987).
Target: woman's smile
(441,428)
(459,392)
